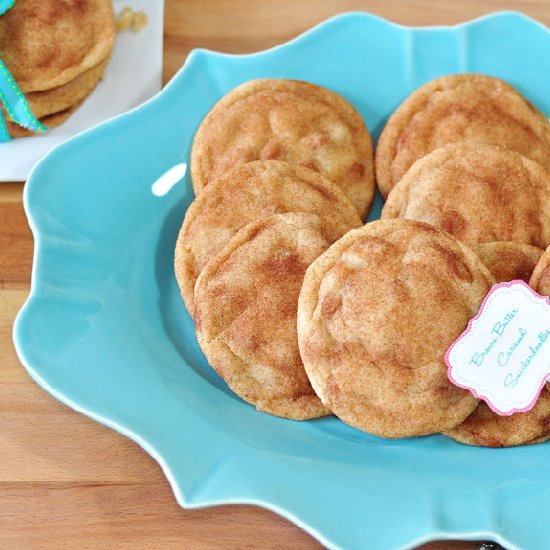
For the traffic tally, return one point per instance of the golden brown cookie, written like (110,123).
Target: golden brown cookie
(376,314)
(48,43)
(509,261)
(289,120)
(64,97)
(478,193)
(245,311)
(463,107)
(50,121)
(486,428)
(540,280)
(538,440)
(247,193)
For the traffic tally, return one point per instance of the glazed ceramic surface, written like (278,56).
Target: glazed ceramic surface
(105,330)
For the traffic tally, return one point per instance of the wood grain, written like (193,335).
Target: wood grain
(243,26)
(15,239)
(66,481)
(131,515)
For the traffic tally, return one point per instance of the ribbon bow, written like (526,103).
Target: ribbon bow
(12,97)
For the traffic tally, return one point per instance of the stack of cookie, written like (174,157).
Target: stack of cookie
(57,53)
(470,155)
(281,170)
(306,312)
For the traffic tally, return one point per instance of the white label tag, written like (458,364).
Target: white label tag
(503,357)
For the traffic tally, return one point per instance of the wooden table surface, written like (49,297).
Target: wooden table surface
(66,480)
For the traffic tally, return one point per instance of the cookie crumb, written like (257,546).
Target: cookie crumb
(130,19)
(140,20)
(124,20)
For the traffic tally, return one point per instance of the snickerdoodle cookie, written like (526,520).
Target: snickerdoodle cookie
(245,311)
(478,193)
(509,261)
(486,428)
(376,314)
(248,193)
(462,107)
(540,279)
(289,120)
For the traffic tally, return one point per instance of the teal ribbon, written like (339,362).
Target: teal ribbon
(5,5)
(13,98)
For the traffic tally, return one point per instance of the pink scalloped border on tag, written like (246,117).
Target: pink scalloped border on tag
(485,392)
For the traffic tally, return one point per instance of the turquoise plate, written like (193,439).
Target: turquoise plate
(104,329)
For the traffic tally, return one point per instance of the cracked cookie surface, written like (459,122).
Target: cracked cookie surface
(477,193)
(376,314)
(464,107)
(485,428)
(245,311)
(292,121)
(248,193)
